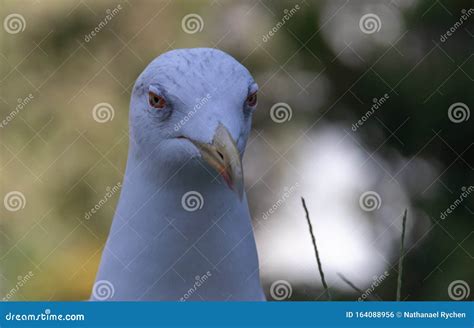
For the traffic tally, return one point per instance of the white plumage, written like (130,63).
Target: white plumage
(161,242)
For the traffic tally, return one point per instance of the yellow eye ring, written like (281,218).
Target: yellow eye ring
(156,101)
(252,100)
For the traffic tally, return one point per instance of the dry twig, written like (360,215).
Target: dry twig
(402,255)
(320,267)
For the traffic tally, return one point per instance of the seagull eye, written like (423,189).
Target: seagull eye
(252,100)
(156,101)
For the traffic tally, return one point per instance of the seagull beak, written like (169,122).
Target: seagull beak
(222,155)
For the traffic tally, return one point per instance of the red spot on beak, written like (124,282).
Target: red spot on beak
(225,174)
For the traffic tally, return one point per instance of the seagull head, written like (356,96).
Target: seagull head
(194,105)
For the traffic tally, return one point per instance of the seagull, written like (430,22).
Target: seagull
(182,230)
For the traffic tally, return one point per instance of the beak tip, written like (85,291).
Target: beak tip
(235,187)
(223,155)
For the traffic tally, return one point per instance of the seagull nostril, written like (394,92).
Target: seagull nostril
(220,155)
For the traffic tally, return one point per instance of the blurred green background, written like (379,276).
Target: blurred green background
(411,153)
